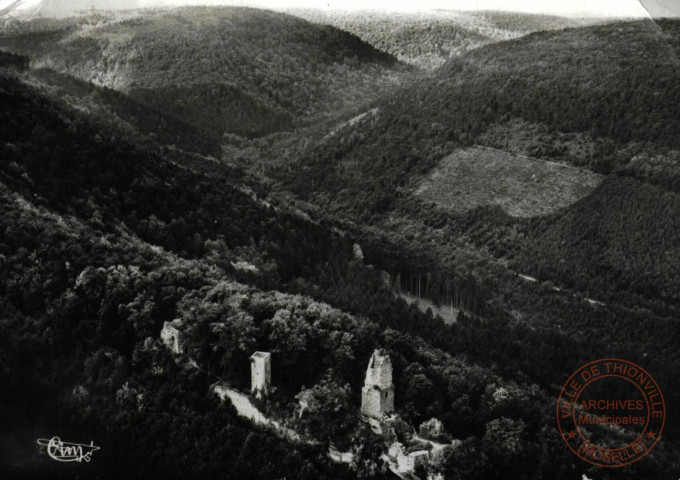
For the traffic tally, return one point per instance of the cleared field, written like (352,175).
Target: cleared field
(521,186)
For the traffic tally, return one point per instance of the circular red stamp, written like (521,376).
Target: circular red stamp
(611,412)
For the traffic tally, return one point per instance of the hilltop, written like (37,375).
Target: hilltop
(235,70)
(428,39)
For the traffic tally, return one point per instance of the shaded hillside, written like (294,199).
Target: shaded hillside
(104,176)
(428,39)
(603,98)
(616,83)
(114,110)
(117,110)
(237,70)
(103,241)
(623,238)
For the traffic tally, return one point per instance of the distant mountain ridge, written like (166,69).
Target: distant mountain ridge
(428,39)
(570,81)
(236,70)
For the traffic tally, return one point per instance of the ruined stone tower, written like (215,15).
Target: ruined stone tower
(173,337)
(260,373)
(377,396)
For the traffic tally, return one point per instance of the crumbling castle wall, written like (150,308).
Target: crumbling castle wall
(377,395)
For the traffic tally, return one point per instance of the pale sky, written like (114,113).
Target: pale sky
(607,8)
(619,8)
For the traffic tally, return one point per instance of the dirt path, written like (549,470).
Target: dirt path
(245,408)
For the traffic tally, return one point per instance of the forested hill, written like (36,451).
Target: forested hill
(427,39)
(103,240)
(604,98)
(613,88)
(238,70)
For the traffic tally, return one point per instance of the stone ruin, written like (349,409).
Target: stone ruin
(407,461)
(260,373)
(172,336)
(377,395)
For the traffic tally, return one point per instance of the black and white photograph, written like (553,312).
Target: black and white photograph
(317,240)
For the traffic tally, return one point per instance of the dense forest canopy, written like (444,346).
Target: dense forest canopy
(568,81)
(237,70)
(602,98)
(103,242)
(127,207)
(427,39)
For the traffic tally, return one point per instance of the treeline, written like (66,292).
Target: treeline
(423,278)
(425,40)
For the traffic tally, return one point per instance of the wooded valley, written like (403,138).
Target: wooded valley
(273,183)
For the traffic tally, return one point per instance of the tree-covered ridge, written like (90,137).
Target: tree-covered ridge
(83,309)
(428,39)
(570,81)
(104,237)
(237,70)
(84,298)
(81,315)
(103,241)
(525,23)
(598,249)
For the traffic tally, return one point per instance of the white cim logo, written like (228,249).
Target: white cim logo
(68,452)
